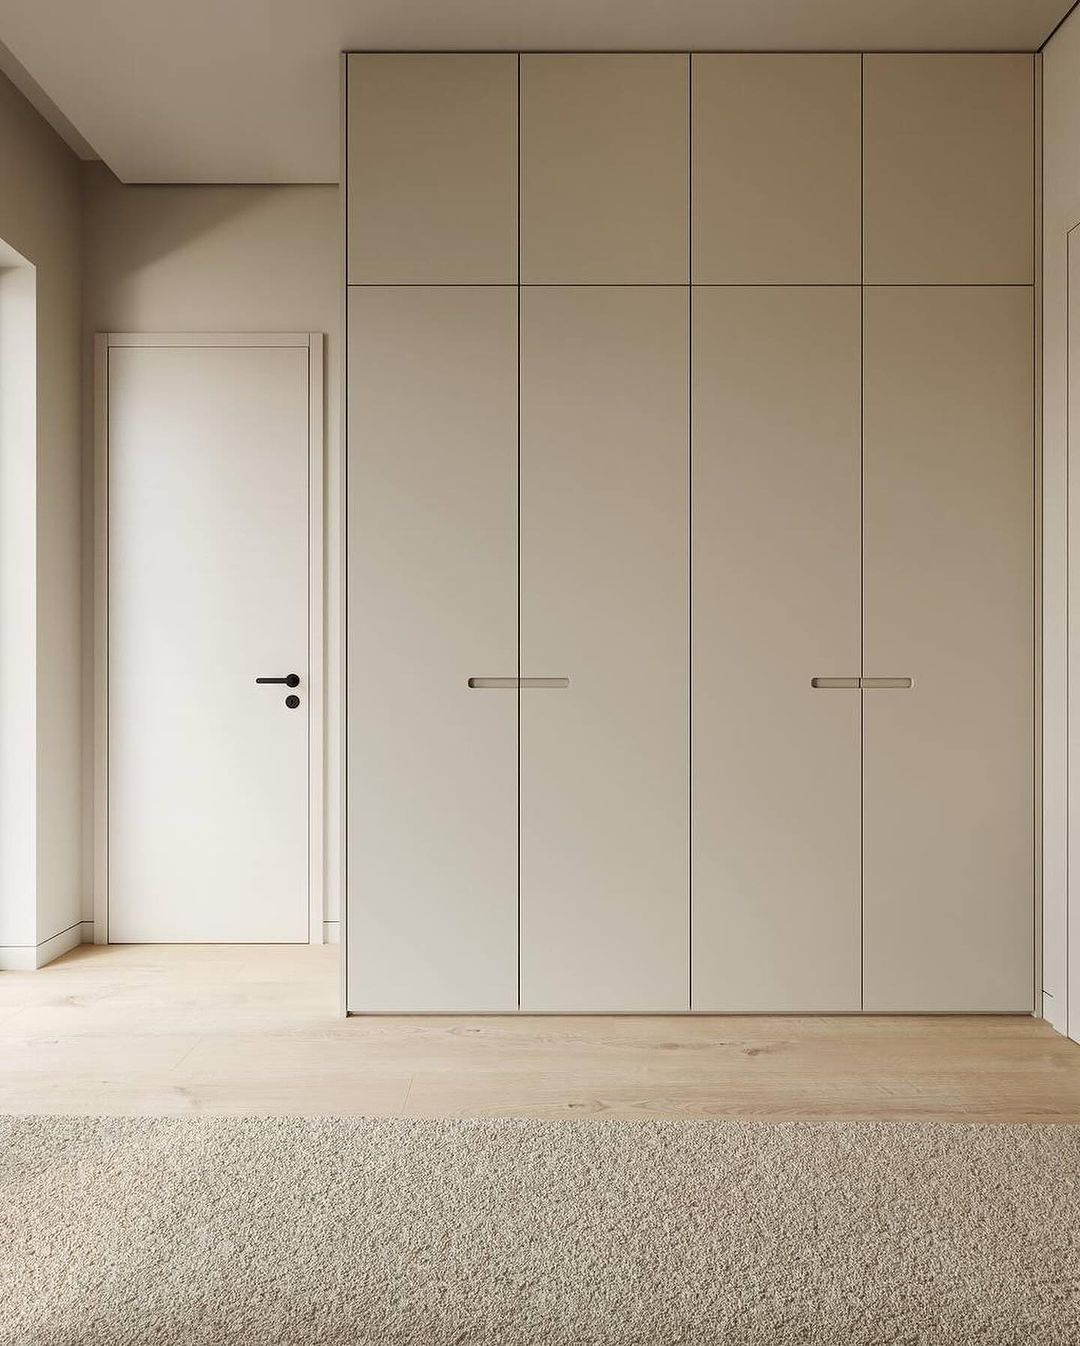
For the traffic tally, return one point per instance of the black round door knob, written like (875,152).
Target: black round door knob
(292,702)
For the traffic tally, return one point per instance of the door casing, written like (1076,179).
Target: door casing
(313,343)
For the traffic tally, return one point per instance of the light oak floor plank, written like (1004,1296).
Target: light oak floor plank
(255,1030)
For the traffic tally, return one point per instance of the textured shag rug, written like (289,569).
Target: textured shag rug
(202,1232)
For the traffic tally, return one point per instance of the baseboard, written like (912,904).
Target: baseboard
(29,957)
(1051,1012)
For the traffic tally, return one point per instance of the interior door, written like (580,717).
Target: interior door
(604,755)
(207,592)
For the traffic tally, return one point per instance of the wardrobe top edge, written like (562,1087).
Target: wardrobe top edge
(688,51)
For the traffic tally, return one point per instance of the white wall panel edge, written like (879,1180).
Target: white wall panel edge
(1060,212)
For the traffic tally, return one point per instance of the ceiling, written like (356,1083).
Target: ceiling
(247,90)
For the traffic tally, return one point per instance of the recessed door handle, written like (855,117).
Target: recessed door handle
(513,684)
(870,684)
(289,680)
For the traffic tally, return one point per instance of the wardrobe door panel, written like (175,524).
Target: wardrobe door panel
(432,580)
(775,165)
(432,168)
(604,169)
(776,772)
(948,169)
(604,759)
(948,603)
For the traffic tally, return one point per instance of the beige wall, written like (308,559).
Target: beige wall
(194,258)
(1061,211)
(40,217)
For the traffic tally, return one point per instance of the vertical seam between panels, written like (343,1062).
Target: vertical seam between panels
(518,589)
(343,450)
(1068,625)
(690,529)
(862,541)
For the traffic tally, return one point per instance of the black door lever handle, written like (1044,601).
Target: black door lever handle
(289,680)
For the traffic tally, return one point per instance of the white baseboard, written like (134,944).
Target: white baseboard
(1051,1011)
(29,957)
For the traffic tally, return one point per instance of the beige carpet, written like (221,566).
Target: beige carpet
(531,1233)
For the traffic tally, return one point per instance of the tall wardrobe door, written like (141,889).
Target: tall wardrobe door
(432,788)
(948,604)
(604,758)
(776,760)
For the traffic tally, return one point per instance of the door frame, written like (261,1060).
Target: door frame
(313,343)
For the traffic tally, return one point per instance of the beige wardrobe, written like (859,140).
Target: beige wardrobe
(690,532)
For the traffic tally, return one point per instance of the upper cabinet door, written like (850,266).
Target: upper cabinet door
(776,169)
(604,169)
(948,169)
(432,169)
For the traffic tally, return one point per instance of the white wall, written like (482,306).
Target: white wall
(1061,211)
(193,258)
(40,218)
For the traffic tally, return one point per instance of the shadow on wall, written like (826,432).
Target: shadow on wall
(210,257)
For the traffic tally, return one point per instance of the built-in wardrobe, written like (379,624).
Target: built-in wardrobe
(690,496)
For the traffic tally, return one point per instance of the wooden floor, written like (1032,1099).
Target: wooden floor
(157,1029)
